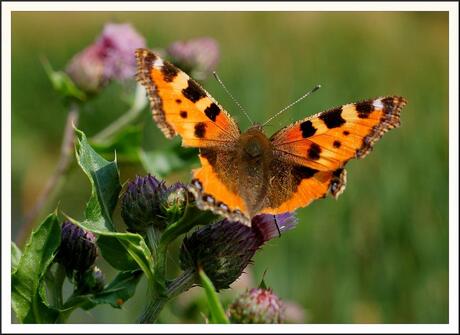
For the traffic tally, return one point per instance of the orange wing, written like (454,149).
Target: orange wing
(325,142)
(180,106)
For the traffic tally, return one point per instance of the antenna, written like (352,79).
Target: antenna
(317,87)
(231,96)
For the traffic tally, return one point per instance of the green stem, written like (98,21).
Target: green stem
(139,103)
(181,284)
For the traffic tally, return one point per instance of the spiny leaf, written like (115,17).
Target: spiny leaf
(26,281)
(105,183)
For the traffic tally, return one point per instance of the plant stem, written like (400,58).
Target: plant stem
(139,103)
(181,284)
(61,169)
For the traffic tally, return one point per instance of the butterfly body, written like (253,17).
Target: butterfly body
(244,174)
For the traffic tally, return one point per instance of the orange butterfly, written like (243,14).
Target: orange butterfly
(245,174)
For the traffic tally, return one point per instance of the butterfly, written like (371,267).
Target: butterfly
(245,174)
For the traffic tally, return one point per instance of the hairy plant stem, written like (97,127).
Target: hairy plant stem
(53,184)
(180,284)
(157,285)
(158,291)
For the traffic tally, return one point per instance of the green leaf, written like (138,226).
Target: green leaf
(62,83)
(16,254)
(106,186)
(215,307)
(116,293)
(26,281)
(105,183)
(125,251)
(122,287)
(126,143)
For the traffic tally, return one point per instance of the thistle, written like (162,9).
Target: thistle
(224,249)
(257,306)
(78,250)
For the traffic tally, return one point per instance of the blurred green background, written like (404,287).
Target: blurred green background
(377,255)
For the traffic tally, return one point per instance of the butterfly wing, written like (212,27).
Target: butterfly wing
(317,148)
(180,106)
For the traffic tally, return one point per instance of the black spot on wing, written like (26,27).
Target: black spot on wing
(300,172)
(210,155)
(200,129)
(388,105)
(183,114)
(193,91)
(307,129)
(169,72)
(364,108)
(149,59)
(346,132)
(337,144)
(212,111)
(178,101)
(337,172)
(333,118)
(314,151)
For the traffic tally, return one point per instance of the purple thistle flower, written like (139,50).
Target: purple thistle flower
(119,42)
(257,306)
(224,249)
(110,57)
(78,249)
(271,226)
(148,201)
(198,56)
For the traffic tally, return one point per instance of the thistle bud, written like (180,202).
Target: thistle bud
(140,204)
(173,202)
(197,56)
(257,306)
(224,249)
(91,281)
(78,249)
(110,57)
(147,201)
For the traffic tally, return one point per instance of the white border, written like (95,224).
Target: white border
(229,5)
(8,7)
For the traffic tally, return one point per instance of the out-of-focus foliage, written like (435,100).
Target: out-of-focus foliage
(379,253)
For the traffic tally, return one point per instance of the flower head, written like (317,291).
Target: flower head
(257,306)
(198,56)
(148,201)
(110,57)
(78,249)
(224,249)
